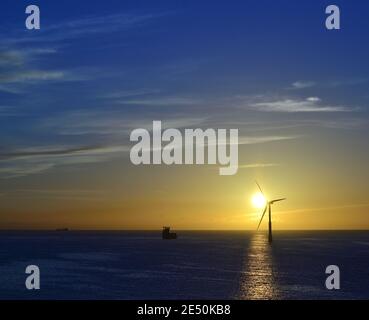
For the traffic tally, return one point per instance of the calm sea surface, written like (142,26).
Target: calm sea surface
(198,265)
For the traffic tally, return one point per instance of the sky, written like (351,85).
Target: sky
(71,93)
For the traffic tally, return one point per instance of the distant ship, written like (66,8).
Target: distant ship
(167,234)
(62,229)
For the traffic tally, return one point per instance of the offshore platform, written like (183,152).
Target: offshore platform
(167,235)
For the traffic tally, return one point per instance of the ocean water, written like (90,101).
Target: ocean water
(198,265)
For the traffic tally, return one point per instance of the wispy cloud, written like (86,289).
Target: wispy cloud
(263,139)
(343,123)
(241,141)
(113,122)
(162,101)
(85,27)
(6,111)
(319,209)
(45,151)
(11,58)
(328,84)
(16,70)
(130,93)
(17,67)
(72,194)
(311,104)
(257,165)
(313,99)
(303,84)
(38,159)
(10,89)
(347,82)
(22,76)
(17,57)
(23,169)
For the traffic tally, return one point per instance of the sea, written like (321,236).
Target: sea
(198,265)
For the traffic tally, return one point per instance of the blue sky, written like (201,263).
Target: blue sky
(71,92)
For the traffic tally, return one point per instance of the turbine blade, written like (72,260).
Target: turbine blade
(259,188)
(262,216)
(276,200)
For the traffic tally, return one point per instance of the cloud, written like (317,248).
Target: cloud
(344,123)
(241,141)
(11,58)
(43,151)
(101,24)
(73,194)
(32,160)
(319,209)
(311,104)
(347,82)
(23,169)
(6,111)
(303,84)
(164,101)
(130,93)
(88,26)
(328,84)
(50,151)
(264,139)
(15,69)
(313,99)
(22,76)
(10,89)
(257,165)
(113,122)
(37,159)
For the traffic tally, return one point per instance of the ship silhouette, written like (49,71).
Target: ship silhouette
(167,235)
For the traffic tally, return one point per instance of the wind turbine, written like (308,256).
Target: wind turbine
(268,205)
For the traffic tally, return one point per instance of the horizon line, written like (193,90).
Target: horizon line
(158,230)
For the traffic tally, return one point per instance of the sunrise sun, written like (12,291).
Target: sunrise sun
(258,200)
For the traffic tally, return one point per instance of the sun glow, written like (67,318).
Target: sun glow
(258,200)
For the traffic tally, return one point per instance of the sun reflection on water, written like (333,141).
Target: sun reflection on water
(258,279)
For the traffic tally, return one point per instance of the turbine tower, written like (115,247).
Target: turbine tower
(268,206)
